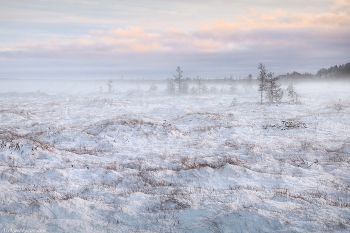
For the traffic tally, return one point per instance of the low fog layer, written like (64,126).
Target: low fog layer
(119,86)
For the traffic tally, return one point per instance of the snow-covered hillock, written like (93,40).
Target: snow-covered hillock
(112,163)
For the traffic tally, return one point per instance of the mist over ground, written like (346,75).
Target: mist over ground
(122,85)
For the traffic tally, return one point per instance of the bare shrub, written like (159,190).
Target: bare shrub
(234,102)
(286,125)
(169,205)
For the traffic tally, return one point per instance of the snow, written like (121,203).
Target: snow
(97,162)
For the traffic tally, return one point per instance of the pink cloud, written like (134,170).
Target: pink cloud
(251,28)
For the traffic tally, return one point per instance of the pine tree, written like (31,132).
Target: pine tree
(292,94)
(204,89)
(194,91)
(267,84)
(273,91)
(199,85)
(153,89)
(178,78)
(171,89)
(214,90)
(110,85)
(233,88)
(250,80)
(262,80)
(184,88)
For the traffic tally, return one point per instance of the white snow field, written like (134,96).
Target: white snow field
(93,162)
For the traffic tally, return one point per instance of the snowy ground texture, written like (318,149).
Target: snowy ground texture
(117,163)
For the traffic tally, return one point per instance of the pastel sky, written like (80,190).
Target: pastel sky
(150,38)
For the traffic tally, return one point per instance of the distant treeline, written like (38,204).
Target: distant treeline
(331,73)
(335,71)
(295,76)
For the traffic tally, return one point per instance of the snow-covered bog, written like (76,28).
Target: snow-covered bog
(152,163)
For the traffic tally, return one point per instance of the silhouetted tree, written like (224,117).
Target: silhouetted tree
(153,89)
(250,80)
(233,87)
(110,85)
(292,94)
(178,78)
(213,90)
(199,85)
(273,91)
(194,91)
(204,89)
(184,88)
(171,89)
(262,80)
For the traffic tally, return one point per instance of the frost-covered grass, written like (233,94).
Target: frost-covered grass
(116,163)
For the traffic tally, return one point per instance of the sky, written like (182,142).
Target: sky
(149,39)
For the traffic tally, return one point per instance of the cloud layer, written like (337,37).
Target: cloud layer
(262,33)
